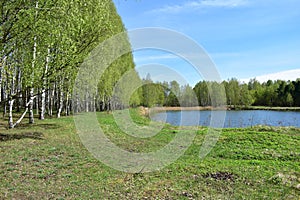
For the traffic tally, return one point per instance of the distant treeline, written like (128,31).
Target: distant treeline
(253,93)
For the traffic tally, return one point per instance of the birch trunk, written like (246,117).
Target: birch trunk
(103,105)
(51,102)
(1,67)
(43,101)
(30,107)
(3,87)
(37,103)
(60,104)
(31,116)
(77,104)
(95,104)
(10,115)
(23,115)
(11,89)
(43,105)
(67,104)
(87,103)
(19,97)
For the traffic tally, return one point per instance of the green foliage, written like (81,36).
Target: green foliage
(202,93)
(187,97)
(45,41)
(153,94)
(271,93)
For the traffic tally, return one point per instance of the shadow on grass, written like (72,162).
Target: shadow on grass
(48,126)
(32,135)
(44,126)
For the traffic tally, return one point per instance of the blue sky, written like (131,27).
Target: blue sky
(244,38)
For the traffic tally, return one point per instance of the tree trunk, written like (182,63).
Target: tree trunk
(4,101)
(37,103)
(18,91)
(10,115)
(87,103)
(31,115)
(60,104)
(30,107)
(1,69)
(43,100)
(67,104)
(3,87)
(95,104)
(77,104)
(22,116)
(103,105)
(43,105)
(108,108)
(51,102)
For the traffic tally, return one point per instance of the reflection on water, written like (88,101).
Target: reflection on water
(234,119)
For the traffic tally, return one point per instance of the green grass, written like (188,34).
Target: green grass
(48,161)
(277,108)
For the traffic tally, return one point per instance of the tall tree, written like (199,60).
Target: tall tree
(43,43)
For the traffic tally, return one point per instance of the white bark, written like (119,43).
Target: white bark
(51,102)
(24,113)
(18,91)
(43,103)
(30,107)
(60,106)
(3,87)
(31,116)
(37,103)
(77,104)
(10,115)
(94,104)
(2,67)
(87,103)
(67,105)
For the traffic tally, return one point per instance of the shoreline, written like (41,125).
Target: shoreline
(145,110)
(266,108)
(187,108)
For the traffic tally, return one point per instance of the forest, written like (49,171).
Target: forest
(44,42)
(277,93)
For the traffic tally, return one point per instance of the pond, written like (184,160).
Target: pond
(233,119)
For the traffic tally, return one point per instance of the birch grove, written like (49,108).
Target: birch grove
(43,43)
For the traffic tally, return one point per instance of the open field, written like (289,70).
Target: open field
(48,161)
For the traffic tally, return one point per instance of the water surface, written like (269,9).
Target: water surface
(233,119)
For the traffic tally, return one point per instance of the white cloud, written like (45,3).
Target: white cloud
(224,3)
(154,58)
(284,75)
(226,55)
(194,5)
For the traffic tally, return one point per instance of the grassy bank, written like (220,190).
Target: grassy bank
(265,108)
(48,161)
(202,108)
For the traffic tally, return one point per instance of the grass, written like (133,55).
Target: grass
(48,161)
(277,108)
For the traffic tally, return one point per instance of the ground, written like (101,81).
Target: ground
(47,160)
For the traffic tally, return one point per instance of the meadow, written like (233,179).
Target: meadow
(47,160)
